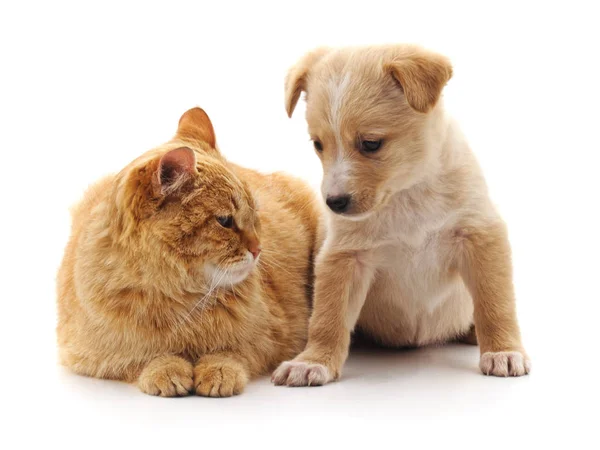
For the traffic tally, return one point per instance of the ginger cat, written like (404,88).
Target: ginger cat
(186,273)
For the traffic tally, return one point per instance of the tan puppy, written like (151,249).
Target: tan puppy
(416,253)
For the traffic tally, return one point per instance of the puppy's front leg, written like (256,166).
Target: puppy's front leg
(487,271)
(342,282)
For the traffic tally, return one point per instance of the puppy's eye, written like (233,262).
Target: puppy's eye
(370,146)
(225,221)
(318,146)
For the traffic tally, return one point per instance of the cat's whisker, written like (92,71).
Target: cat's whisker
(273,265)
(206,298)
(216,282)
(269,251)
(198,303)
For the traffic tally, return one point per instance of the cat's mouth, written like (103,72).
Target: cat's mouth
(225,276)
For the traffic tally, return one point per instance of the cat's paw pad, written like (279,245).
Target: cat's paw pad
(219,378)
(168,376)
(505,364)
(299,373)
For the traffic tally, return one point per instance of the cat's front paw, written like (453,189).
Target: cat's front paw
(505,364)
(219,376)
(301,373)
(167,376)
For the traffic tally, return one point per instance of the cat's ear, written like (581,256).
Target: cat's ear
(422,75)
(195,124)
(174,169)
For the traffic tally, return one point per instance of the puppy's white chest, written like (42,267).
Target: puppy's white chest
(417,296)
(418,270)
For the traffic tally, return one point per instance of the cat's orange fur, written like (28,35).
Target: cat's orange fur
(139,298)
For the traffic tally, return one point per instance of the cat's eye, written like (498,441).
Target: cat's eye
(225,221)
(370,146)
(318,146)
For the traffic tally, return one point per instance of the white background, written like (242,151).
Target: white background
(86,88)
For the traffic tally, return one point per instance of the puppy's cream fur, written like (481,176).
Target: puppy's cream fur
(421,254)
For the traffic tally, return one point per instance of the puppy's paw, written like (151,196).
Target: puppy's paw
(167,376)
(300,373)
(219,376)
(505,364)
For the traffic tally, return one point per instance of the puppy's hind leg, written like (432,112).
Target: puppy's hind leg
(469,338)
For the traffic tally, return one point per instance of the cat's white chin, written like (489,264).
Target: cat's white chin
(228,276)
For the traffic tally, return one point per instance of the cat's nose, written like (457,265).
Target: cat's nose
(255,249)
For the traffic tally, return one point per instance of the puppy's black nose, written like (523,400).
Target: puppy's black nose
(338,204)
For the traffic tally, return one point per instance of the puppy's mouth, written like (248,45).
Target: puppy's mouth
(357,211)
(357,217)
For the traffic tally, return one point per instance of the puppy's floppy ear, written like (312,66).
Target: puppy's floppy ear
(196,124)
(295,81)
(422,76)
(174,169)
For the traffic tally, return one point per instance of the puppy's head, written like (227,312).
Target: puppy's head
(371,115)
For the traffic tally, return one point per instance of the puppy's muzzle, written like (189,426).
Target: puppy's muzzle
(339,204)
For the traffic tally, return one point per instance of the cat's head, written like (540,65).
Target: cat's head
(184,203)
